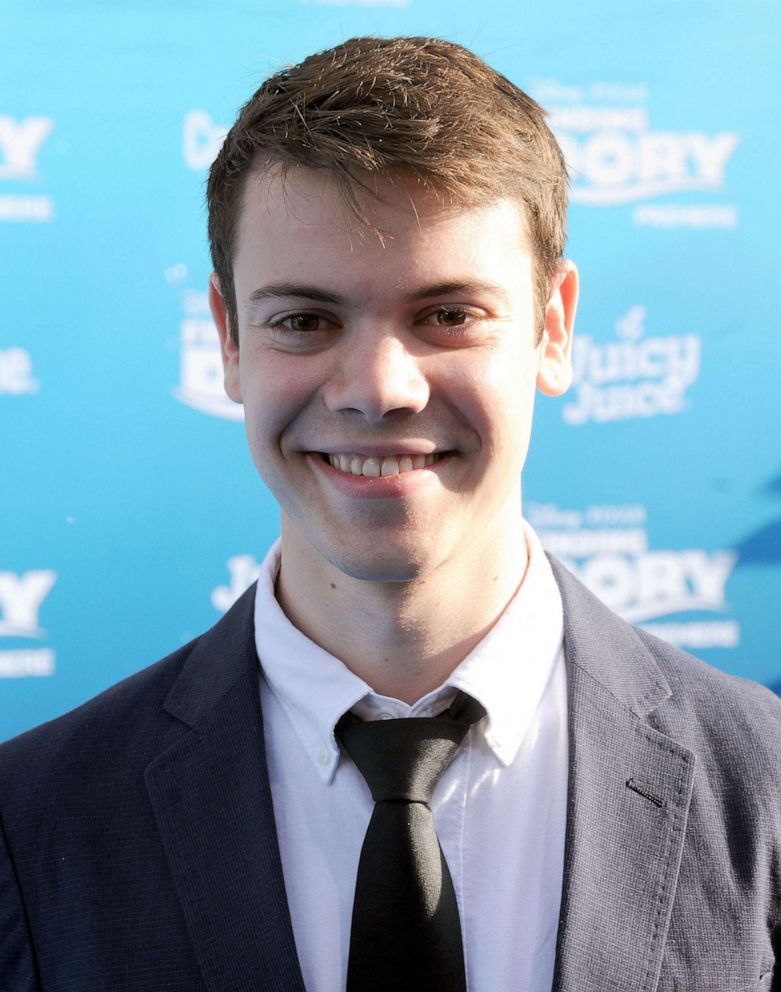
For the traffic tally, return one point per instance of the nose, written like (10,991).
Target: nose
(378,377)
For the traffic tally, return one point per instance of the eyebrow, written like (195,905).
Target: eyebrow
(465,286)
(277,290)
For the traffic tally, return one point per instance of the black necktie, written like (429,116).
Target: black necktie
(406,932)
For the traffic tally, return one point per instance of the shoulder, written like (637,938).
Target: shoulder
(725,720)
(75,790)
(696,680)
(135,717)
(126,720)
(79,779)
(734,721)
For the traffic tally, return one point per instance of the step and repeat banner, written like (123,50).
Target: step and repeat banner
(131,515)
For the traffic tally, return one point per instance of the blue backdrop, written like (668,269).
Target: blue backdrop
(131,514)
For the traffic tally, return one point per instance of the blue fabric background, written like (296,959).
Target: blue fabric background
(131,515)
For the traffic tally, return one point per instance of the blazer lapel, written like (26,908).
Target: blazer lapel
(629,793)
(212,801)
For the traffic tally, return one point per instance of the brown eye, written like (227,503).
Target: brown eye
(450,317)
(304,322)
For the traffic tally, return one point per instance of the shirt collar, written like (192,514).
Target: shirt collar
(507,671)
(510,668)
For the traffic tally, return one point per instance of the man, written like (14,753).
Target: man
(387,229)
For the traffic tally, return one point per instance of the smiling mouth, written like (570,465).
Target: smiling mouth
(376,467)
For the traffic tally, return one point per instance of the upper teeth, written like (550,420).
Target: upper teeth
(375,467)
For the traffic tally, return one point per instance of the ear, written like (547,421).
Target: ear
(228,347)
(554,372)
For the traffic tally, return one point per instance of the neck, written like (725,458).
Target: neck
(402,638)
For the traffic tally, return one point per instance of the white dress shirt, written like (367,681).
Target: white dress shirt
(499,809)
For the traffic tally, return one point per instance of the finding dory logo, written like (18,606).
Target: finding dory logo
(671,592)
(616,157)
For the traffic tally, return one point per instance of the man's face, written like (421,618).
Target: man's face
(388,386)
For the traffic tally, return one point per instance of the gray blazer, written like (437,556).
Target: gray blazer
(138,849)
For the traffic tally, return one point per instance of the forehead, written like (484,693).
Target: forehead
(299,217)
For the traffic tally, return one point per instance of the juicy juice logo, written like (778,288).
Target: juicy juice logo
(633,376)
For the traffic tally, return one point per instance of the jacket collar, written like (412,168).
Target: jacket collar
(628,800)
(607,649)
(218,661)
(212,801)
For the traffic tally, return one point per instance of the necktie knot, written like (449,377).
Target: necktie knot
(402,760)
(406,933)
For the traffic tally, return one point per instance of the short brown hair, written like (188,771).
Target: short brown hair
(376,105)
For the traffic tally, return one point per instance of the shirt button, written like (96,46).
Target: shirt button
(323,754)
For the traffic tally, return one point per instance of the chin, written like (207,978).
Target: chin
(386,567)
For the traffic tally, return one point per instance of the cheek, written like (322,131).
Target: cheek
(272,393)
(503,396)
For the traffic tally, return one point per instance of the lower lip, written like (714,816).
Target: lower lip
(379,487)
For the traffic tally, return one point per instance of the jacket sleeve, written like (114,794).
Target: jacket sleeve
(18,971)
